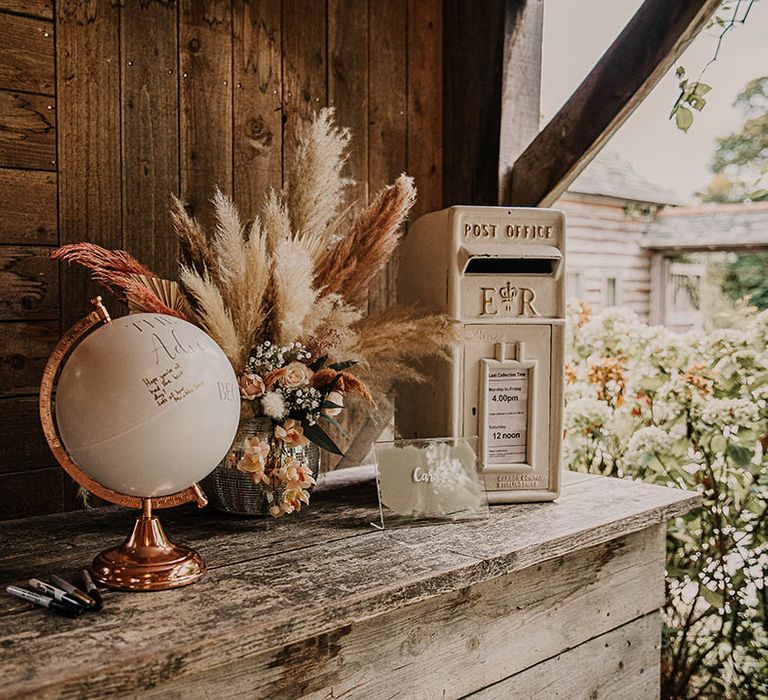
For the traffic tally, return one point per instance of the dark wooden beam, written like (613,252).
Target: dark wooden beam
(473,50)
(630,68)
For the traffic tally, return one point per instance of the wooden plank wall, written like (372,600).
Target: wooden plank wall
(29,283)
(106,108)
(603,240)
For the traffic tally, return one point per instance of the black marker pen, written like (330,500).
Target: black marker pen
(74,592)
(55,593)
(44,601)
(90,588)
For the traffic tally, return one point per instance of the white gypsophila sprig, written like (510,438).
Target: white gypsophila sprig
(307,400)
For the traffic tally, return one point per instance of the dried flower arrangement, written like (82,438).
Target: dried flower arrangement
(284,296)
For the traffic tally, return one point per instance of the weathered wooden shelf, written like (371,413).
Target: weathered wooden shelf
(560,599)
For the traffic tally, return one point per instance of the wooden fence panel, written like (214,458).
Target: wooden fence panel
(205,47)
(26,59)
(305,85)
(28,212)
(150,131)
(258,107)
(88,98)
(27,131)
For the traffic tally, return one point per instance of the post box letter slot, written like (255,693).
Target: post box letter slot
(511,266)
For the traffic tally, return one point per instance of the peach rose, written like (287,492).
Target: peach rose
(251,386)
(293,376)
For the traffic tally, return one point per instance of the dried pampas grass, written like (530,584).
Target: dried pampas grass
(349,266)
(213,316)
(394,340)
(315,185)
(195,249)
(226,276)
(293,292)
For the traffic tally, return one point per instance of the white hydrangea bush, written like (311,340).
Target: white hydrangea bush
(691,411)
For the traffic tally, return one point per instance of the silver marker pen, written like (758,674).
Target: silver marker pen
(44,601)
(55,593)
(90,588)
(74,592)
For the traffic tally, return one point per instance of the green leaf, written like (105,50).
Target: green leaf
(683,118)
(719,443)
(740,456)
(696,102)
(318,363)
(340,366)
(317,435)
(714,598)
(680,72)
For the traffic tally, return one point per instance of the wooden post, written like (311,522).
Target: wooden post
(621,80)
(658,300)
(521,85)
(473,49)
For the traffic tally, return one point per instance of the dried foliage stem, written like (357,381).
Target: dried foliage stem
(349,266)
(120,273)
(395,339)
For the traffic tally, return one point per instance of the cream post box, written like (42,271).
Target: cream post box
(499,271)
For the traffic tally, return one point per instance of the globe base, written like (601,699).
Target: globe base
(147,561)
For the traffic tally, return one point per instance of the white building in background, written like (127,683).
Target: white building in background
(625,233)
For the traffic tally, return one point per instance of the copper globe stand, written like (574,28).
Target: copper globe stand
(146,561)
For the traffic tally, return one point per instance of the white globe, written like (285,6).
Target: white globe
(147,405)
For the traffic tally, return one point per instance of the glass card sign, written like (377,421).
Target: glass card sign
(428,480)
(506,410)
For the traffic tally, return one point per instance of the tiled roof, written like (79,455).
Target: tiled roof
(608,175)
(709,227)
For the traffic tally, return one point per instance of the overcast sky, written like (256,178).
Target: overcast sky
(576,33)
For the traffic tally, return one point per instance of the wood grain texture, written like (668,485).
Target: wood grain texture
(387,116)
(26,61)
(34,8)
(205,46)
(425,103)
(520,85)
(622,664)
(265,594)
(150,131)
(32,493)
(471,125)
(28,212)
(258,94)
(29,284)
(304,68)
(450,645)
(24,350)
(348,47)
(21,437)
(88,98)
(630,68)
(27,131)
